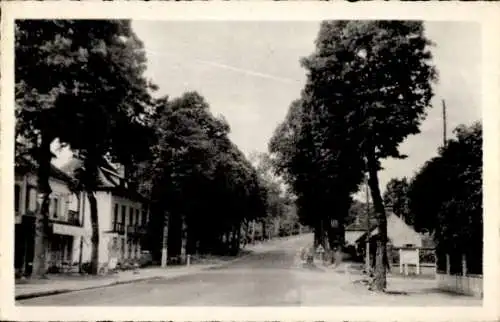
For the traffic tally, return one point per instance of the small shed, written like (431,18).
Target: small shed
(354,231)
(404,242)
(400,234)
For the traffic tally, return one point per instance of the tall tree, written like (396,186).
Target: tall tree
(377,76)
(93,81)
(396,197)
(446,197)
(200,178)
(276,198)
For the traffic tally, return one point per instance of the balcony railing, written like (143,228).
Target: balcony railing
(119,228)
(131,230)
(136,230)
(141,230)
(72,218)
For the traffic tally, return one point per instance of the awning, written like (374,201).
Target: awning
(68,230)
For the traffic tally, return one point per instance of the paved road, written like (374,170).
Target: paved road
(271,276)
(263,278)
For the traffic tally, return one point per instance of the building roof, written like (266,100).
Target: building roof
(360,225)
(399,232)
(26,164)
(352,236)
(109,179)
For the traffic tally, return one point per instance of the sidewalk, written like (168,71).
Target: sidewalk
(58,284)
(343,286)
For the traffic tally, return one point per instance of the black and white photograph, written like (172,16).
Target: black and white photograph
(331,162)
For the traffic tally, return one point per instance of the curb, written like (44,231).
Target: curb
(69,290)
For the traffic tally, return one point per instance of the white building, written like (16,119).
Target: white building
(122,219)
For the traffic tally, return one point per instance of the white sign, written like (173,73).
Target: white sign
(320,249)
(409,256)
(67,230)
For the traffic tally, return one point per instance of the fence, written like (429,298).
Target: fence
(460,274)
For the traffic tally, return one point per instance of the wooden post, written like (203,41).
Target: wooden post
(447,264)
(253,231)
(435,262)
(464,265)
(164,253)
(367,257)
(400,262)
(418,261)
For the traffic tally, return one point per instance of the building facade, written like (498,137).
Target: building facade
(122,221)
(122,218)
(66,225)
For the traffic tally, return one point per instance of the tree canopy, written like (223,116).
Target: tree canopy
(396,197)
(446,194)
(198,176)
(368,86)
(80,82)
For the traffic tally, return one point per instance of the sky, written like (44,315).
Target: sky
(249,71)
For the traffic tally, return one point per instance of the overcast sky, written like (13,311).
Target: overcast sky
(250,73)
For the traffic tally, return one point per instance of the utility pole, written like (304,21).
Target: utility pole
(444,123)
(367,255)
(81,204)
(253,231)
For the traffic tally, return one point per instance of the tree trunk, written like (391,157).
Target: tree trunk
(157,221)
(380,279)
(318,234)
(264,230)
(192,237)
(174,244)
(236,239)
(39,267)
(94,219)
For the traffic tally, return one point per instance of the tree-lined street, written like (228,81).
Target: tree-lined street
(166,183)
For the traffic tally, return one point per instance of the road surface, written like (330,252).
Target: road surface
(262,278)
(271,276)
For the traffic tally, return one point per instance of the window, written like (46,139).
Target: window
(55,209)
(122,247)
(131,216)
(31,198)
(124,209)
(115,218)
(17,198)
